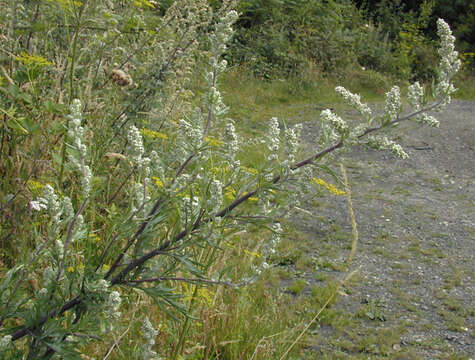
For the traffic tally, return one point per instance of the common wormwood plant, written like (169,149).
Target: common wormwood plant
(182,186)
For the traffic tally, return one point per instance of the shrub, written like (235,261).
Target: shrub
(280,37)
(121,181)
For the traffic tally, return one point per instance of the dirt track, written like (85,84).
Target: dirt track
(414,296)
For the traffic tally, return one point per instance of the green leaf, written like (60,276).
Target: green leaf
(55,108)
(189,265)
(17,125)
(166,296)
(331,172)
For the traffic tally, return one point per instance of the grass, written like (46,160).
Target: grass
(254,102)
(464,83)
(260,321)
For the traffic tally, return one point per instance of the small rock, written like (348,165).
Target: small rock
(451,337)
(397,347)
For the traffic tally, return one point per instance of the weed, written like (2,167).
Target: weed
(372,309)
(453,278)
(157,226)
(297,287)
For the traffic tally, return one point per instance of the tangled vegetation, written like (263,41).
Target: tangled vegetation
(128,195)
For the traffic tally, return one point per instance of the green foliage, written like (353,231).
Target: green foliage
(286,36)
(399,43)
(393,16)
(461,14)
(279,38)
(126,183)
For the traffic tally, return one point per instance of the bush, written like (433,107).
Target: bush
(121,183)
(279,38)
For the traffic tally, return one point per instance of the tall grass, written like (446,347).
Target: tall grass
(137,220)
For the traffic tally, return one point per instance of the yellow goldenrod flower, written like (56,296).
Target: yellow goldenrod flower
(94,237)
(66,3)
(250,170)
(206,296)
(144,3)
(252,253)
(230,194)
(34,60)
(330,187)
(159,183)
(70,269)
(213,141)
(152,134)
(34,186)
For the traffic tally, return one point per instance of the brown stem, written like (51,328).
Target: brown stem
(120,187)
(164,248)
(404,118)
(70,304)
(139,231)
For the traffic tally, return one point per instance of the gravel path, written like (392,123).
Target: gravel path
(414,295)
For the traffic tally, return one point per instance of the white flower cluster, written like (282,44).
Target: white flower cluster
(191,130)
(274,238)
(5,342)
(51,202)
(218,40)
(428,120)
(111,312)
(76,134)
(392,105)
(269,248)
(189,205)
(331,122)
(222,34)
(354,101)
(149,334)
(135,148)
(273,139)
(216,101)
(60,211)
(101,286)
(48,276)
(355,133)
(38,205)
(305,179)
(449,63)
(231,140)
(215,199)
(292,142)
(141,197)
(136,151)
(383,143)
(415,96)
